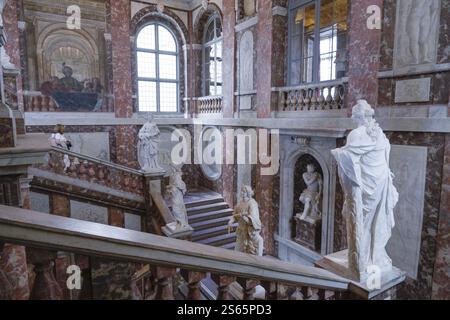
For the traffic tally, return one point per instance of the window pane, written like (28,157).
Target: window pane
(166,40)
(146,38)
(219,71)
(168,97)
(167,67)
(146,65)
(147,96)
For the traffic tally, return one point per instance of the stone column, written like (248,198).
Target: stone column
(364,55)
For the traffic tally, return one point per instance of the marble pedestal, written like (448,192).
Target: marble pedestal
(338,263)
(308,232)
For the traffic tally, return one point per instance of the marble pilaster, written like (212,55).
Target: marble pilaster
(363,52)
(121,57)
(229,55)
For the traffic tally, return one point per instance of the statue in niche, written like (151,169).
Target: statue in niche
(311,196)
(418,28)
(246,214)
(369,193)
(175,192)
(148,146)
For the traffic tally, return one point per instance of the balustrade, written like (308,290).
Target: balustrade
(209,104)
(323,96)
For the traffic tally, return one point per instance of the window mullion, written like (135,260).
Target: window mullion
(158,104)
(316,54)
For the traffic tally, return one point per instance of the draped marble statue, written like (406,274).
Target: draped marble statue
(246,214)
(310,197)
(175,192)
(369,193)
(148,147)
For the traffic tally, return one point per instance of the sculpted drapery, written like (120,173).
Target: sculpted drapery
(370,195)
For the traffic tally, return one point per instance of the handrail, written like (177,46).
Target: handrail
(163,209)
(35,229)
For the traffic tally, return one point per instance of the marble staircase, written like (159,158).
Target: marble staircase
(208,214)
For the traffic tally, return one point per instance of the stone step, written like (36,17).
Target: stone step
(207,208)
(212,232)
(190,202)
(209,216)
(206,224)
(219,241)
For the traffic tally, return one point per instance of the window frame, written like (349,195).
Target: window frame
(212,43)
(157,78)
(294,5)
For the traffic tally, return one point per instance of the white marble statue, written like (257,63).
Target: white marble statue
(246,214)
(175,192)
(148,147)
(370,195)
(311,196)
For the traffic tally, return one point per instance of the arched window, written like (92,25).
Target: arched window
(212,57)
(157,69)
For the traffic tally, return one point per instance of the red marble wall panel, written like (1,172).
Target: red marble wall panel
(6,133)
(121,57)
(60,205)
(363,51)
(441,275)
(116,217)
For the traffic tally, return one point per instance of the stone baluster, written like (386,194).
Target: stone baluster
(297,294)
(193,279)
(223,282)
(45,286)
(164,275)
(248,287)
(271,289)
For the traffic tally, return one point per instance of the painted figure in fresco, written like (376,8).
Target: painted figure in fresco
(246,214)
(370,195)
(98,89)
(310,197)
(175,192)
(148,145)
(69,83)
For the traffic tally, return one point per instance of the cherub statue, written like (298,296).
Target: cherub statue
(310,197)
(148,147)
(246,214)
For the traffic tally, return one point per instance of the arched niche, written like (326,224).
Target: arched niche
(306,233)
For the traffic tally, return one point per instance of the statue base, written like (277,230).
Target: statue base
(171,231)
(308,232)
(367,286)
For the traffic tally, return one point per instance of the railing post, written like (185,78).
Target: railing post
(193,279)
(45,286)
(223,283)
(271,289)
(248,285)
(164,288)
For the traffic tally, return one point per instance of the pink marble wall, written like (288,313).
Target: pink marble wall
(121,57)
(363,50)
